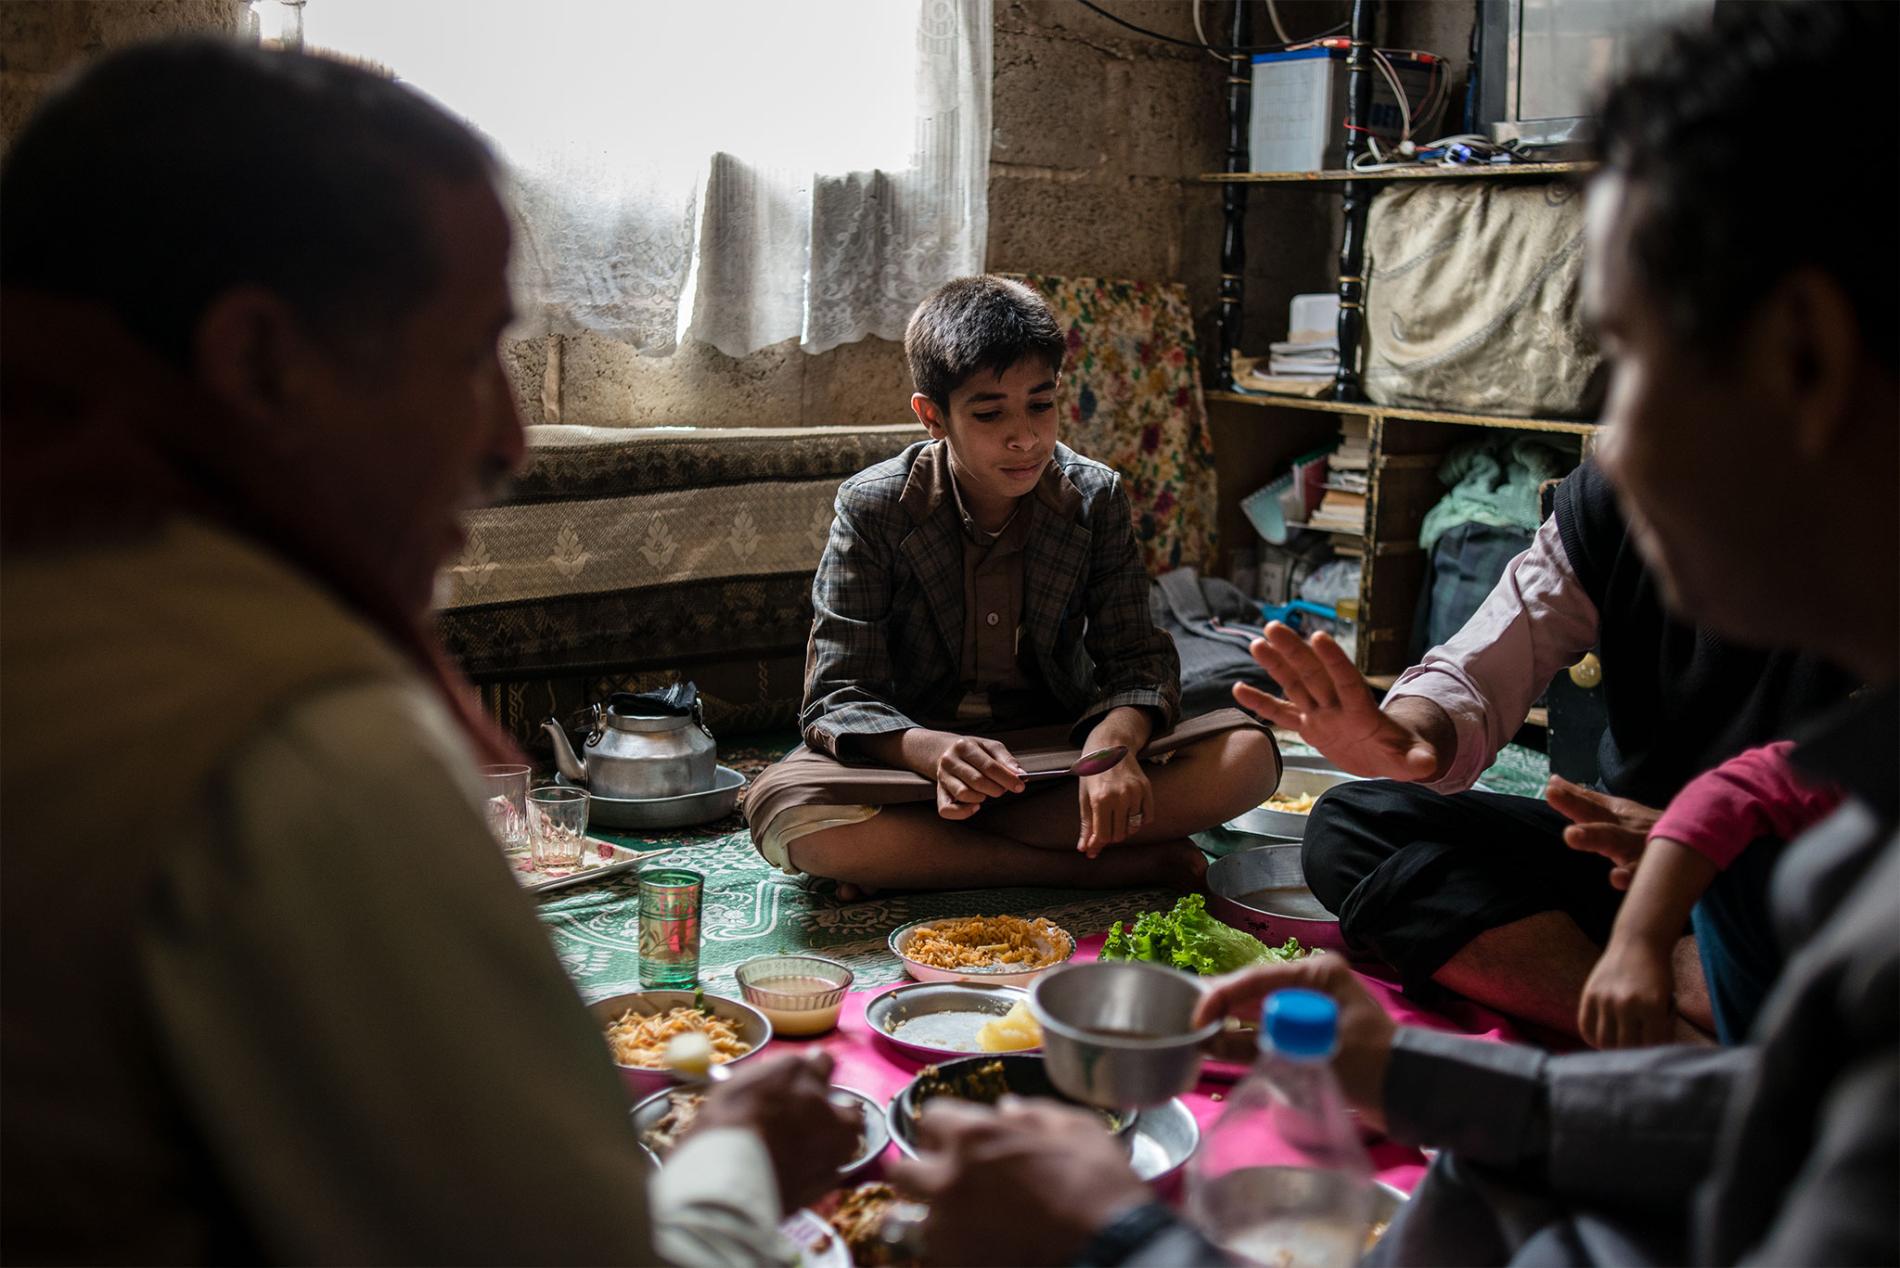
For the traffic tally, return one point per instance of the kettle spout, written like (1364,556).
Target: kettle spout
(565,759)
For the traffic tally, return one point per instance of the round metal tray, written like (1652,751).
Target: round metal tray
(1303,774)
(684,811)
(877,1131)
(979,1002)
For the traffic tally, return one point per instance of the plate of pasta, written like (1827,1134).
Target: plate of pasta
(637,1026)
(996,950)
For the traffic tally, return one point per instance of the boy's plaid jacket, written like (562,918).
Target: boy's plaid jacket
(887,632)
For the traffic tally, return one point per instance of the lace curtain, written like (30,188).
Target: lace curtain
(740,173)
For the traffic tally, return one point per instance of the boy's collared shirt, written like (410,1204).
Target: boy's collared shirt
(999,684)
(897,592)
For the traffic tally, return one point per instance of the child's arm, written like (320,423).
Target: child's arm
(1755,794)
(849,678)
(1628,1001)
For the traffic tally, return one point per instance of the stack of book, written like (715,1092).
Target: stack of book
(1306,361)
(1342,506)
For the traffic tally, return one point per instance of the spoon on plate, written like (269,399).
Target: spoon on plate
(1093,763)
(688,1057)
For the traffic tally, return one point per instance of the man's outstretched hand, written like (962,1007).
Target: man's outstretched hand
(1332,708)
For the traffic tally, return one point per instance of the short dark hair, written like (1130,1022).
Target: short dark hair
(170,172)
(975,324)
(1720,132)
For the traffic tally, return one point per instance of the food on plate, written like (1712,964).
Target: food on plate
(948,1032)
(683,1110)
(1290,803)
(675,1123)
(1012,1032)
(988,942)
(1188,938)
(985,1084)
(639,1039)
(859,1220)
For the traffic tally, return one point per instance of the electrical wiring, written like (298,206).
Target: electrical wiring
(1384,64)
(1279,28)
(1460,149)
(1225,50)
(1201,33)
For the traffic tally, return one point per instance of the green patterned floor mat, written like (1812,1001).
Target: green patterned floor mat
(750,909)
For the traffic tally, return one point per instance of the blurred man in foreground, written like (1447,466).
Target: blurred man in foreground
(1756,339)
(270,991)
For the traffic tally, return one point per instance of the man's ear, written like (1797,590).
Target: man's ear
(1819,359)
(928,414)
(250,352)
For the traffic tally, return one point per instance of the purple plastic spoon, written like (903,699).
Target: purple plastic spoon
(1088,764)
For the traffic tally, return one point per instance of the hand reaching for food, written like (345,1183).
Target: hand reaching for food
(786,1104)
(1024,1183)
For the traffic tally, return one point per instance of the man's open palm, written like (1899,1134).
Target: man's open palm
(1332,708)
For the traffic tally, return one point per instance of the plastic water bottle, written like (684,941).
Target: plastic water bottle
(1281,1179)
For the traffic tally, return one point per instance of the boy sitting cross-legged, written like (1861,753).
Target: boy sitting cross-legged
(982,612)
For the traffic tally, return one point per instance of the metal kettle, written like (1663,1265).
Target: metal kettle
(639,749)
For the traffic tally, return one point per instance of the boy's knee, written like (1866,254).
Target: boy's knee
(1258,750)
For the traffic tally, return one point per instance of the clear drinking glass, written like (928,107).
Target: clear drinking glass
(505,795)
(557,826)
(669,927)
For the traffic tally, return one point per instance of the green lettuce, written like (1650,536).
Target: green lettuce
(1188,938)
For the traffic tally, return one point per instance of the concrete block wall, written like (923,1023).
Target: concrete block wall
(41,40)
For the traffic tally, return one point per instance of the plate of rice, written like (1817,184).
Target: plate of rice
(996,950)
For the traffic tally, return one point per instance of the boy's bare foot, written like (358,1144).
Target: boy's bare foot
(849,893)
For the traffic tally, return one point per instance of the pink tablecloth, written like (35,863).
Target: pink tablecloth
(879,1070)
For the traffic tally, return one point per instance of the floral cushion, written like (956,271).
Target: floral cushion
(1132,399)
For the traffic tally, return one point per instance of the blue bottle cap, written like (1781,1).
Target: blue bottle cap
(1300,1024)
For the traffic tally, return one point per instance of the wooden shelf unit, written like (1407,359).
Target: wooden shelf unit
(1423,172)
(1405,449)
(1572,426)
(1406,445)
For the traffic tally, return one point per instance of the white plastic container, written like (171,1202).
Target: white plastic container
(1299,109)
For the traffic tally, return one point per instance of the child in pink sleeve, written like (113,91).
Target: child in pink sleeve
(1753,799)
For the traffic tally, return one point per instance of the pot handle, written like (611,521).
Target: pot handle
(699,718)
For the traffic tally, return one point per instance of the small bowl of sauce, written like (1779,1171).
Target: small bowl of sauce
(799,994)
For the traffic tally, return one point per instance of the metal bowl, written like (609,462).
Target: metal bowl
(1302,775)
(684,811)
(1001,975)
(1387,1200)
(877,1133)
(1264,891)
(963,1007)
(1024,1075)
(1301,1190)
(1117,1032)
(643,1081)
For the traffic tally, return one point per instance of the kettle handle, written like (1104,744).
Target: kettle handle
(699,718)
